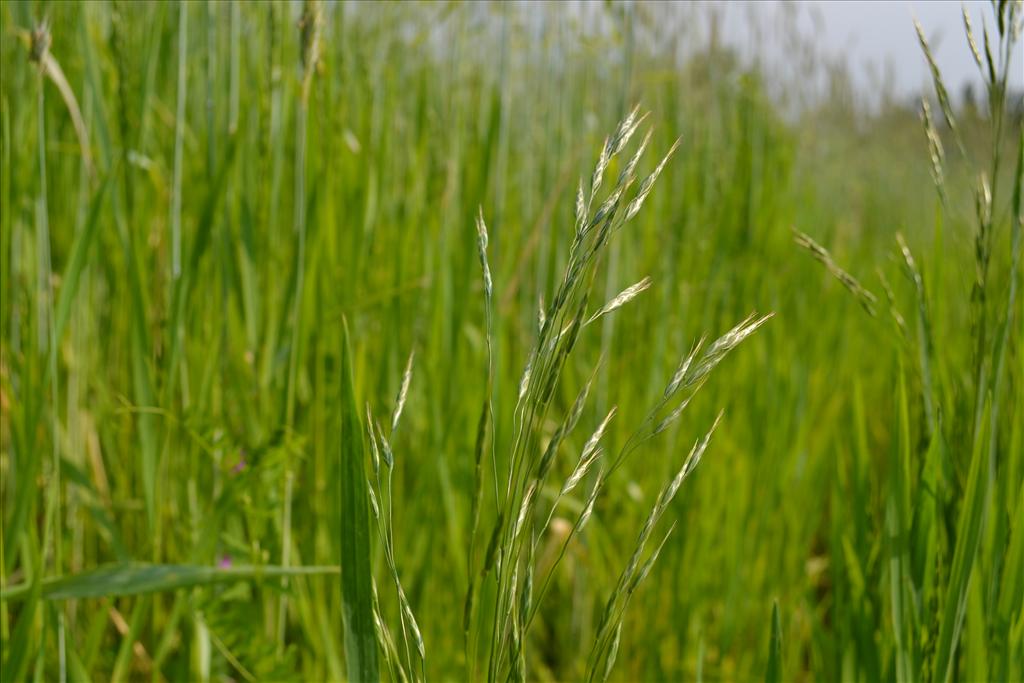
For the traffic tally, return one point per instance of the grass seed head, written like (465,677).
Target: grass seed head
(622,298)
(385,448)
(866,299)
(481,245)
(403,392)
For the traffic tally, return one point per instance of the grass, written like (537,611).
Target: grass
(335,351)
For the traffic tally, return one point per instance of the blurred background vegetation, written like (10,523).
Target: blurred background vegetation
(194,418)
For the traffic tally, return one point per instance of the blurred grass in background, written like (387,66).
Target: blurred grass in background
(175,399)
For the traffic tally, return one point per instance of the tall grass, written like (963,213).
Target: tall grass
(350,347)
(952,504)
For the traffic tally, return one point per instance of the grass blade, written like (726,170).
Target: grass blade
(968,536)
(137,578)
(356,577)
(773,673)
(79,256)
(18,648)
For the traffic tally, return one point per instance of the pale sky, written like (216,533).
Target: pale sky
(883,33)
(869,30)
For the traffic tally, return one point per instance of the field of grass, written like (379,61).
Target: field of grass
(363,342)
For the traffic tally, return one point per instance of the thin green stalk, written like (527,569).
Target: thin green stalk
(179,139)
(48,343)
(286,547)
(309,27)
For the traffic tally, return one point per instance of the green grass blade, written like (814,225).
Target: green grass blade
(73,272)
(125,651)
(1011,596)
(76,669)
(897,527)
(356,577)
(773,673)
(18,648)
(136,578)
(972,518)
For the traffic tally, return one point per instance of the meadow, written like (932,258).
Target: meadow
(502,342)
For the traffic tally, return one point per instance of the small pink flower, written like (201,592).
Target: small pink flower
(241,464)
(225,561)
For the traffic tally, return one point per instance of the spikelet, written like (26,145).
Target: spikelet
(626,174)
(481,246)
(567,426)
(683,368)
(524,509)
(613,652)
(723,345)
(580,210)
(309,29)
(403,392)
(374,451)
(599,432)
(672,417)
(969,30)
(588,509)
(866,298)
(621,299)
(524,381)
(645,187)
(940,87)
(581,469)
(625,130)
(385,448)
(645,569)
(599,168)
(890,295)
(936,153)
(373,500)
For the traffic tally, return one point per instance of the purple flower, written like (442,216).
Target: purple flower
(225,561)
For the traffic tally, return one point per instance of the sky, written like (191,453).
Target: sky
(882,33)
(875,38)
